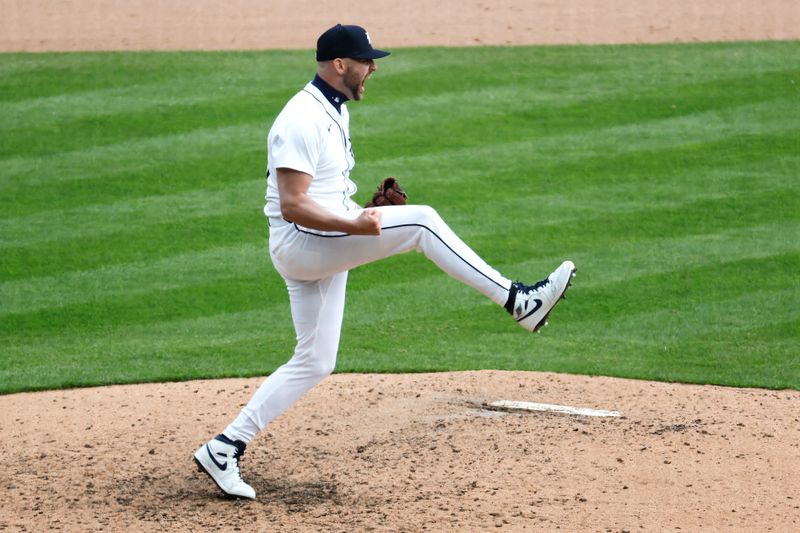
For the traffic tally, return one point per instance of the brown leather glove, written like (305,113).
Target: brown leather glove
(388,192)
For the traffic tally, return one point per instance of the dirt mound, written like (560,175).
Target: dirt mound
(408,453)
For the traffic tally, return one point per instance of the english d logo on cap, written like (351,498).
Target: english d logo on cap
(346,41)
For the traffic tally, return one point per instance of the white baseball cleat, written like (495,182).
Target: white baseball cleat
(219,458)
(530,305)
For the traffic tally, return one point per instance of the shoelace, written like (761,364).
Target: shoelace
(235,462)
(527,289)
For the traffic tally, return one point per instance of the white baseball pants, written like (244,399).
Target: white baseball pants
(314,265)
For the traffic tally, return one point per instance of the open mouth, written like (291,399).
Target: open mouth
(359,88)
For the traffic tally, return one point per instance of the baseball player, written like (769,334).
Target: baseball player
(317,233)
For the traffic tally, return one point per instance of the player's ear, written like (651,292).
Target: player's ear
(339,65)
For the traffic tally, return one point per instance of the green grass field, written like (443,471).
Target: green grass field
(133,248)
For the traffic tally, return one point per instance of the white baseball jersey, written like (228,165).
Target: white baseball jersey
(309,135)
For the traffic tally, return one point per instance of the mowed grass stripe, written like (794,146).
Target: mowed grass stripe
(146,276)
(134,245)
(124,127)
(674,146)
(79,306)
(186,173)
(558,110)
(150,243)
(154,98)
(689,288)
(125,232)
(220,296)
(185,349)
(130,87)
(647,182)
(624,260)
(639,110)
(538,145)
(686,340)
(679,348)
(132,215)
(694,341)
(503,121)
(141,156)
(693,217)
(747,143)
(36,77)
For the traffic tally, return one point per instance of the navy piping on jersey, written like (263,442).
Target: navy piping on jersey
(345,196)
(307,232)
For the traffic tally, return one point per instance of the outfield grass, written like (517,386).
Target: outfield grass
(133,248)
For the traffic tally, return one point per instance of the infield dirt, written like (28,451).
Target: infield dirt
(37,25)
(402,452)
(409,453)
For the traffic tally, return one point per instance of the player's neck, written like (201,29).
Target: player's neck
(333,95)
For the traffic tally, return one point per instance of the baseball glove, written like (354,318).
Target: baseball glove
(388,192)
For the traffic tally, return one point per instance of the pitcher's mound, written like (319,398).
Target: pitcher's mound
(409,453)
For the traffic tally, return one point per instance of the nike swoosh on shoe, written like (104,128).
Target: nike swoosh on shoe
(538,305)
(221,466)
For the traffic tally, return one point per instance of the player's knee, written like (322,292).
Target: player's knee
(313,363)
(428,214)
(323,366)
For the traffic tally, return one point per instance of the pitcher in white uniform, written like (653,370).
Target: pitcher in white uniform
(317,233)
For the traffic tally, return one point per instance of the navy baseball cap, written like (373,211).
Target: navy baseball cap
(346,41)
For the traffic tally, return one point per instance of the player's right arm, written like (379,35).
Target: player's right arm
(301,209)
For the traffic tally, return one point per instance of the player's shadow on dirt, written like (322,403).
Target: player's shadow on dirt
(296,495)
(140,492)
